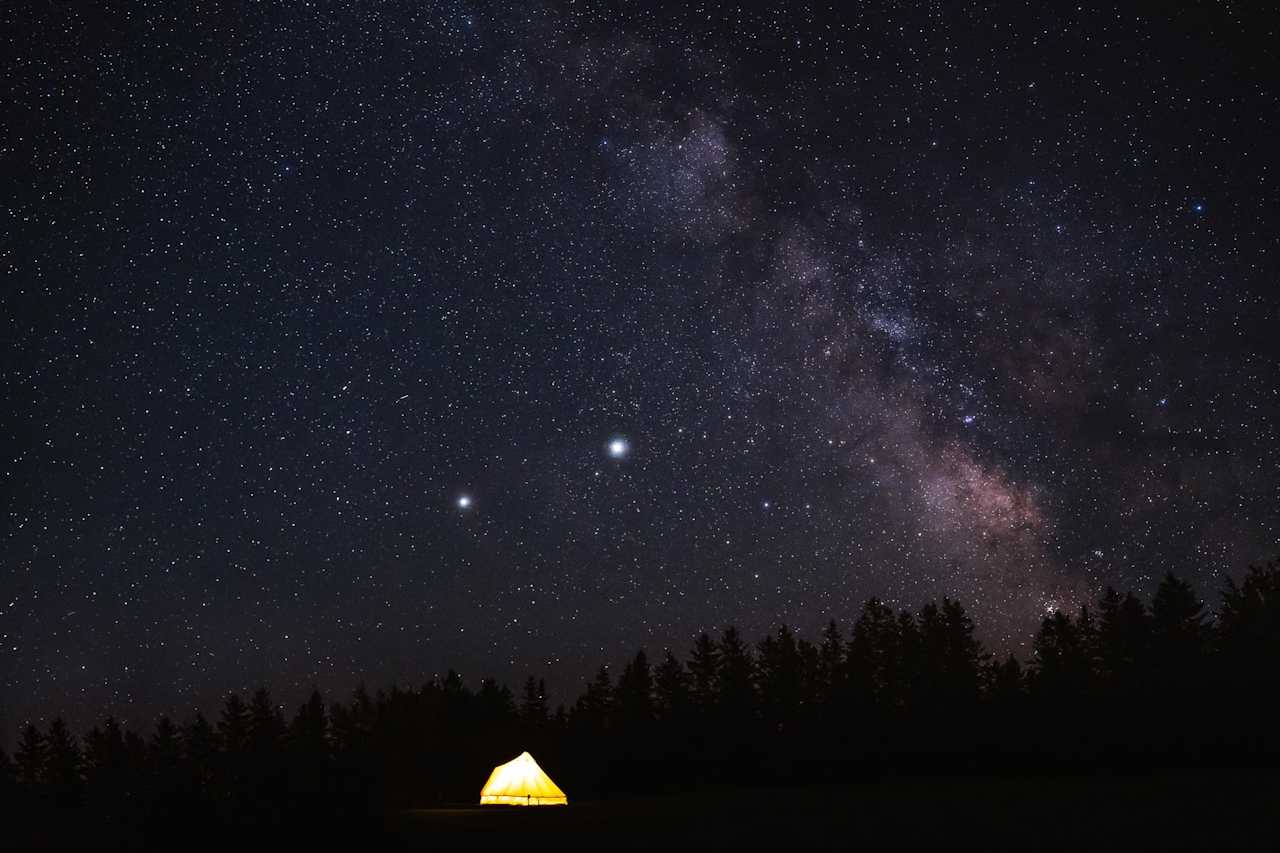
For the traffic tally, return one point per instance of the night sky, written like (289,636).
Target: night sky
(352,342)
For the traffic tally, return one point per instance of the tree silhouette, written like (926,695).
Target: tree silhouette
(833,693)
(635,692)
(1179,634)
(672,692)
(810,679)
(1248,635)
(951,656)
(200,753)
(1127,681)
(704,664)
(1123,640)
(29,757)
(164,763)
(594,709)
(494,702)
(233,726)
(735,676)
(1005,681)
(266,726)
(105,762)
(8,774)
(1061,665)
(62,763)
(779,678)
(905,660)
(353,725)
(309,731)
(872,663)
(533,704)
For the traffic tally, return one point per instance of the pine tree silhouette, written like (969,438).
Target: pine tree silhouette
(704,664)
(833,674)
(29,757)
(105,763)
(635,692)
(8,774)
(1128,681)
(672,691)
(1005,681)
(1123,641)
(533,704)
(735,678)
(1179,634)
(1062,666)
(200,755)
(595,709)
(1248,631)
(779,678)
(62,764)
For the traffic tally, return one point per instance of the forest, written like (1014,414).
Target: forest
(1125,685)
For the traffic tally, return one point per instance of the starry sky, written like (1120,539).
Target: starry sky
(354,341)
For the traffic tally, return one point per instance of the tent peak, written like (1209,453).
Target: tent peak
(521,782)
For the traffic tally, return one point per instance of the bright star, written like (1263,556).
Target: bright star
(464,501)
(618,447)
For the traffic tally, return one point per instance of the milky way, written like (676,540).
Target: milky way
(360,341)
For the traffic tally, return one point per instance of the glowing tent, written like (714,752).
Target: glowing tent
(521,782)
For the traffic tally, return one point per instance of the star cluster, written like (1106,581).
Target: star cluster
(354,341)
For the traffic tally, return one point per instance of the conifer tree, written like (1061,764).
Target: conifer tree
(1061,658)
(1005,681)
(704,663)
(29,757)
(8,773)
(1179,634)
(1248,631)
(735,676)
(778,674)
(1123,640)
(200,745)
(635,691)
(62,763)
(309,731)
(871,660)
(233,726)
(594,709)
(673,697)
(832,673)
(165,752)
(104,760)
(533,704)
(266,727)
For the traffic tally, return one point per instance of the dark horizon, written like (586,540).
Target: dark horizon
(1238,634)
(1130,703)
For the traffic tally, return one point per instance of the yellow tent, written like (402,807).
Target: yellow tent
(521,782)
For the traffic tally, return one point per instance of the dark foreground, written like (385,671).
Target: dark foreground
(1203,812)
(1207,812)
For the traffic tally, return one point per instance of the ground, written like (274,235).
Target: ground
(1201,812)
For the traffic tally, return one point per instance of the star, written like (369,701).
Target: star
(618,447)
(464,501)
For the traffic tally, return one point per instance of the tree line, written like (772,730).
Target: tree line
(1122,683)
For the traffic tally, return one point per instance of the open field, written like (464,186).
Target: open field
(1202,812)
